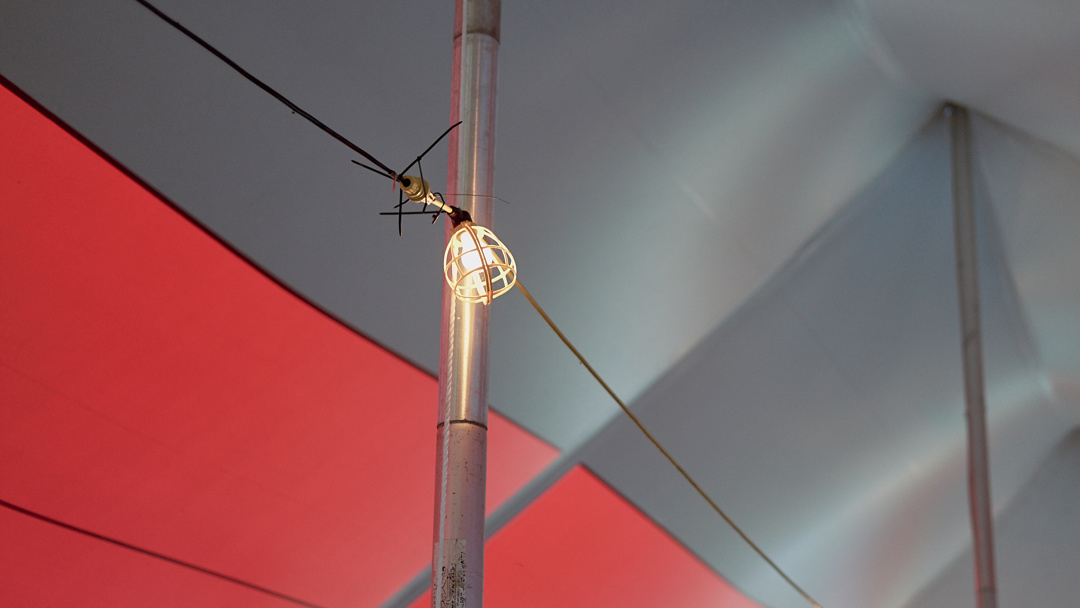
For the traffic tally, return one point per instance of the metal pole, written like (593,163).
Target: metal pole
(457,576)
(982,523)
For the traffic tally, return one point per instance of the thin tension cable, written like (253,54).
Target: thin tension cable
(262,85)
(120,543)
(656,443)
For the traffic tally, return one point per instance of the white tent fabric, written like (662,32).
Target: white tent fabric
(849,357)
(1037,569)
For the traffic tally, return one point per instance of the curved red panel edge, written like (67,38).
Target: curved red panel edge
(158,389)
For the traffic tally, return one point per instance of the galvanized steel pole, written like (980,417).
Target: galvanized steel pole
(982,522)
(458,557)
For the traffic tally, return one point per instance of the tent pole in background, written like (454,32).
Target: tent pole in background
(457,575)
(982,522)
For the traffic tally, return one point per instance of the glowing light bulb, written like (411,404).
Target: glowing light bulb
(478,267)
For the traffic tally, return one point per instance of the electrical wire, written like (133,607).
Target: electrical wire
(173,560)
(641,427)
(262,85)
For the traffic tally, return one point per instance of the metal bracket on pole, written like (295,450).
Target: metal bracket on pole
(982,523)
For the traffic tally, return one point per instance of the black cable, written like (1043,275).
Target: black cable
(262,85)
(424,153)
(372,169)
(382,170)
(120,543)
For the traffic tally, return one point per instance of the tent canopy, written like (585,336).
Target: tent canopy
(215,350)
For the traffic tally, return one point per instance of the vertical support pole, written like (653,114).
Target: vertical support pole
(982,523)
(458,555)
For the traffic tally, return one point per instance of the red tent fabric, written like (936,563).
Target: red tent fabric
(179,429)
(160,390)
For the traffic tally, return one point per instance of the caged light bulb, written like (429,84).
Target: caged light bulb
(478,267)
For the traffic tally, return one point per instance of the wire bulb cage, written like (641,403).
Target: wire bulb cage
(478,267)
